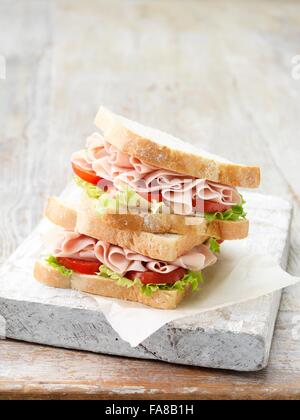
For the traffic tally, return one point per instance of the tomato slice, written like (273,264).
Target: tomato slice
(80,266)
(209,206)
(151,277)
(213,207)
(88,176)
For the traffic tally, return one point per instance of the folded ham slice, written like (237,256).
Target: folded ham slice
(122,260)
(74,245)
(178,191)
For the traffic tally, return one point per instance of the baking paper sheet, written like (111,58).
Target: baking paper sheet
(238,276)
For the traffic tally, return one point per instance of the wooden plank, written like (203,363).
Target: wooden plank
(56,373)
(23,107)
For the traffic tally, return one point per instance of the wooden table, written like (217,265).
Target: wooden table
(217,73)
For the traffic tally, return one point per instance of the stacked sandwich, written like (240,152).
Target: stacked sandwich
(152,214)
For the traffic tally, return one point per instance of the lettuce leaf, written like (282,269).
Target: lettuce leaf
(121,281)
(91,190)
(192,278)
(234,214)
(51,260)
(122,201)
(214,246)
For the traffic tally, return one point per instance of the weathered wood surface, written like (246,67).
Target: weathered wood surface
(217,73)
(42,372)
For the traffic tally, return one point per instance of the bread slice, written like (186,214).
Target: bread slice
(166,247)
(65,215)
(162,150)
(169,223)
(97,285)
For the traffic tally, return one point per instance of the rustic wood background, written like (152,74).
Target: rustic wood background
(219,73)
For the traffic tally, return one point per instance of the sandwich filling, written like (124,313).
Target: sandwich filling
(80,253)
(121,179)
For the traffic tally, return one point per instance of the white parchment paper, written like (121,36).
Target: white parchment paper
(238,276)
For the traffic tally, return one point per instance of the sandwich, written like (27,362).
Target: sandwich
(139,178)
(151,214)
(99,267)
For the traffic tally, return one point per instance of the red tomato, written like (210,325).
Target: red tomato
(156,278)
(209,206)
(80,266)
(213,207)
(88,176)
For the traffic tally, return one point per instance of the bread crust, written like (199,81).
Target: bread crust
(60,213)
(156,223)
(64,215)
(166,247)
(149,151)
(97,285)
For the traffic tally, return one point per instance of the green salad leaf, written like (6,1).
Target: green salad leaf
(51,260)
(235,214)
(121,281)
(214,245)
(192,278)
(91,190)
(122,201)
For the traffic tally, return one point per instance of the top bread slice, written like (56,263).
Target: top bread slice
(165,151)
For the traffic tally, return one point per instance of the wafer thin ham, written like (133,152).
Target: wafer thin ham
(178,191)
(122,260)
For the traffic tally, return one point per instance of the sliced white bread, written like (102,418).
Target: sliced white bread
(170,223)
(165,151)
(166,247)
(65,214)
(97,285)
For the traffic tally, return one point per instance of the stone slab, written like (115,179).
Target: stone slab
(237,337)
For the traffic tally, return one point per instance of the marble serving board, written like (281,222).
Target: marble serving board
(238,337)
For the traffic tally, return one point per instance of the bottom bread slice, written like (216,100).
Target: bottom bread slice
(97,285)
